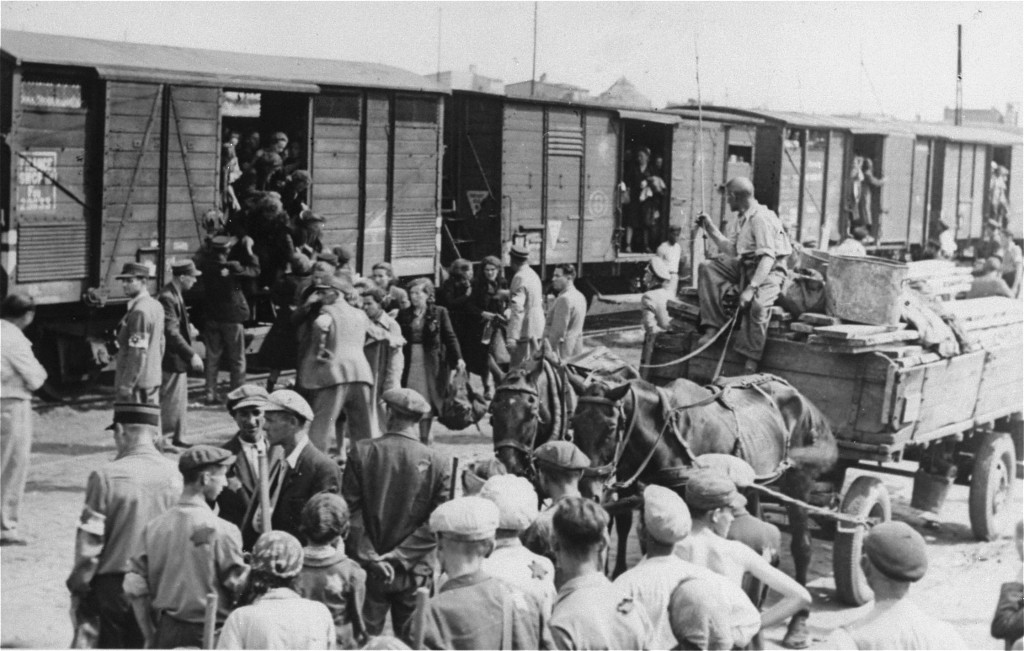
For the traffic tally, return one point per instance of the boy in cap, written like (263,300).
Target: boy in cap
(299,471)
(671,253)
(140,339)
(511,561)
(328,575)
(238,499)
(654,315)
(894,556)
(560,465)
(714,501)
(185,554)
(120,498)
(474,610)
(179,356)
(278,618)
(392,484)
(590,612)
(526,317)
(664,522)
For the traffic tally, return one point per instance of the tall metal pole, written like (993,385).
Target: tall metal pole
(533,70)
(439,10)
(958,118)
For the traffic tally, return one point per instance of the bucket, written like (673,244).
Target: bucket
(930,491)
(865,289)
(816,260)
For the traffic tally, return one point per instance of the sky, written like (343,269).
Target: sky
(896,58)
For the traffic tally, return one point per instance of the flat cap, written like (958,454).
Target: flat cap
(734,468)
(666,517)
(200,456)
(221,241)
(515,498)
(407,401)
(136,413)
(707,490)
(561,454)
(659,269)
(519,252)
(247,395)
(278,553)
(897,551)
(185,268)
(288,400)
(465,519)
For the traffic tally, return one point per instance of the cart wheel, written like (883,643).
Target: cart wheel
(867,499)
(991,480)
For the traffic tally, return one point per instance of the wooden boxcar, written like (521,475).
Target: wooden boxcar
(112,153)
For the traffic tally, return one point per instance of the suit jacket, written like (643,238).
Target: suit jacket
(314,472)
(440,345)
(392,484)
(236,499)
(564,330)
(526,318)
(346,336)
(178,340)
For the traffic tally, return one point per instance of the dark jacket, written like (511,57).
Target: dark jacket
(314,473)
(392,484)
(235,500)
(439,341)
(178,341)
(225,296)
(1008,621)
(484,298)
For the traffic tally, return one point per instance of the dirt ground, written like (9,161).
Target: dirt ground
(961,585)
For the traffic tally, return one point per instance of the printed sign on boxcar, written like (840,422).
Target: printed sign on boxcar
(36,171)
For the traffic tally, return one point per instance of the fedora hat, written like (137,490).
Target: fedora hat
(134,270)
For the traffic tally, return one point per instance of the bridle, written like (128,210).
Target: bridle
(623,435)
(510,442)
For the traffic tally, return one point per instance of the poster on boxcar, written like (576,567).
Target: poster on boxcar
(36,172)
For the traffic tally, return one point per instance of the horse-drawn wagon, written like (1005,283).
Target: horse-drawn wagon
(958,417)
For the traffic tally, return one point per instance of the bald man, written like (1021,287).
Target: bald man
(752,262)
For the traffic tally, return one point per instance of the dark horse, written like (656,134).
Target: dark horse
(530,407)
(637,433)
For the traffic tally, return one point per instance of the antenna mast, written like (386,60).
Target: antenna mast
(533,70)
(959,114)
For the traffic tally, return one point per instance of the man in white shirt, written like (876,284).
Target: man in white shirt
(22,374)
(526,308)
(671,252)
(665,521)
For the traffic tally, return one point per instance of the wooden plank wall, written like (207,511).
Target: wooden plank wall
(1016,191)
(814,187)
(965,192)
(414,221)
(522,162)
(789,181)
(335,173)
(950,184)
(129,223)
(895,194)
(602,174)
(918,193)
(478,170)
(197,111)
(375,234)
(979,190)
(837,172)
(565,156)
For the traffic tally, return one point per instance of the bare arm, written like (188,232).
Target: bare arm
(794,596)
(720,240)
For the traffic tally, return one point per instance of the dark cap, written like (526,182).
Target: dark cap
(136,413)
(220,241)
(407,401)
(250,394)
(200,456)
(134,270)
(898,551)
(707,491)
(185,268)
(562,455)
(518,252)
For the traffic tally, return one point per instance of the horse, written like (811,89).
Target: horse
(530,407)
(636,433)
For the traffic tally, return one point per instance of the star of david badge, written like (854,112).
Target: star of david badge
(334,584)
(202,536)
(537,570)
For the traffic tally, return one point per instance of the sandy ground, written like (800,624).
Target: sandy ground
(961,586)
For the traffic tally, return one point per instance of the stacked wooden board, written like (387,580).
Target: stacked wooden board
(944,279)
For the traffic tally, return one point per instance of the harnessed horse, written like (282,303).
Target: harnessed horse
(637,433)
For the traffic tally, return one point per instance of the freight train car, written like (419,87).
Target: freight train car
(113,152)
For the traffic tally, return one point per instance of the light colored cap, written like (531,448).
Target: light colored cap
(465,519)
(515,498)
(561,454)
(708,490)
(247,395)
(739,471)
(659,269)
(666,517)
(288,400)
(406,401)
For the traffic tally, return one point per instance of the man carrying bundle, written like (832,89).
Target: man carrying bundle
(752,262)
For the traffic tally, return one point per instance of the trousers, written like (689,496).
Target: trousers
(15,446)
(173,633)
(399,597)
(524,349)
(343,406)
(718,276)
(173,404)
(225,340)
(118,628)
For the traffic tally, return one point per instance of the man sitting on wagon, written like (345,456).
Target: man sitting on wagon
(752,261)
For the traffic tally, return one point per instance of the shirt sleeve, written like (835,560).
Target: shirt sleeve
(91,535)
(517,309)
(231,634)
(232,570)
(135,327)
(764,236)
(359,543)
(21,358)
(561,639)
